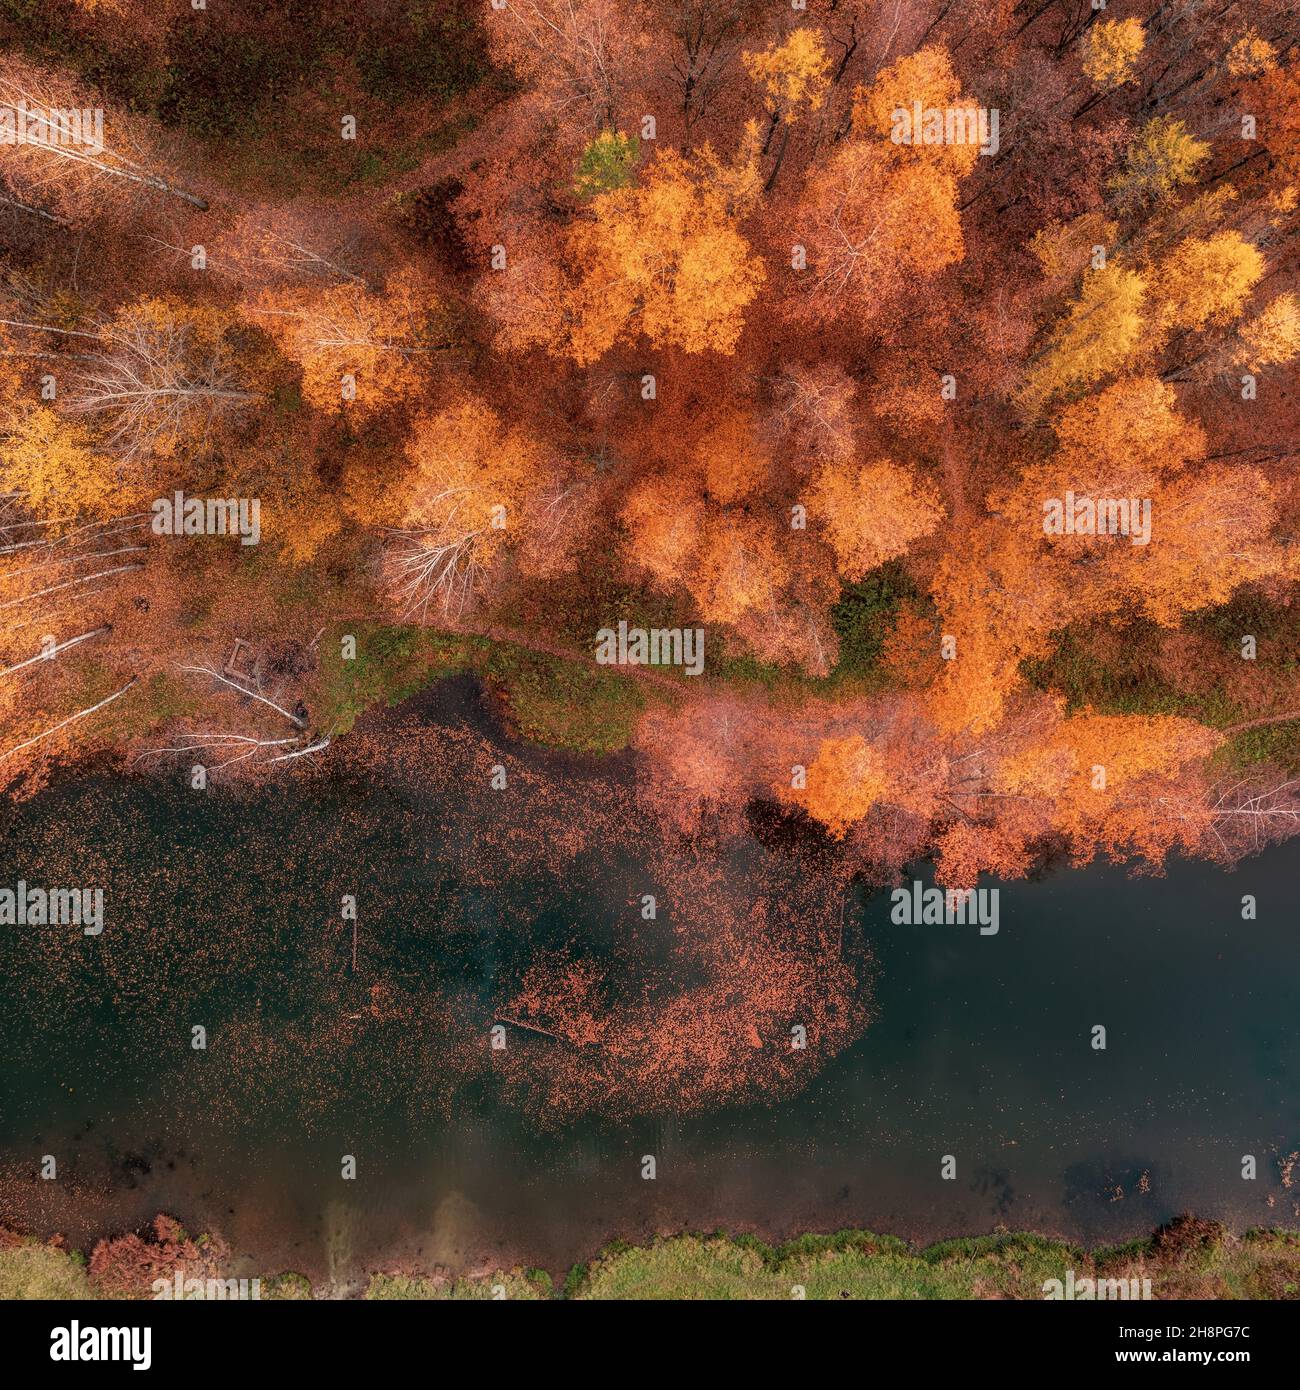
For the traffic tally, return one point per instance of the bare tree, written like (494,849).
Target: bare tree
(708,34)
(296,720)
(432,567)
(53,150)
(221,749)
(71,719)
(158,379)
(569,49)
(38,561)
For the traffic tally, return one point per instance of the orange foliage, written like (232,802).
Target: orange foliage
(845,780)
(355,346)
(664,260)
(872,512)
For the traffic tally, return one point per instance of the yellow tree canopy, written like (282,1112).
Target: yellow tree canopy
(1133,424)
(925,77)
(1272,337)
(1111,49)
(1098,335)
(997,601)
(793,74)
(1117,443)
(52,460)
(1209,534)
(1207,280)
(1251,56)
(467,463)
(1099,770)
(1163,156)
(464,502)
(376,342)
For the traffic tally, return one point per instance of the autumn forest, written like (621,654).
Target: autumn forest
(935,360)
(524,522)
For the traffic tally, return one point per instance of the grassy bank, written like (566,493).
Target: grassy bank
(34,1269)
(568,701)
(1189,1258)
(550,700)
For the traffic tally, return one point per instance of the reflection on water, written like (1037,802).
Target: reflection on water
(926,1040)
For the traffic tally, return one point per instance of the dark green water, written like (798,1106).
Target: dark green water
(223,911)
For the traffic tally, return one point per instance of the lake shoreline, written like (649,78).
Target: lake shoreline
(1187,1257)
(981,1048)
